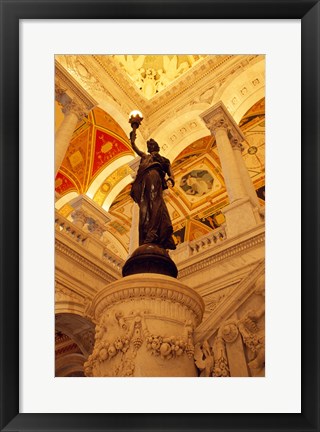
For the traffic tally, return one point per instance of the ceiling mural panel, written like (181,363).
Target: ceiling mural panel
(212,221)
(255,114)
(110,182)
(197,183)
(253,126)
(75,163)
(64,184)
(195,229)
(106,149)
(104,120)
(179,235)
(97,141)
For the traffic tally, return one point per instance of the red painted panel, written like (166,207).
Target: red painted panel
(63,184)
(107,148)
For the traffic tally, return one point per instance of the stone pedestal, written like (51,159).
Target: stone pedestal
(145,328)
(150,258)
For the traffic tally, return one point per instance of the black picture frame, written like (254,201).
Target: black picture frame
(11,12)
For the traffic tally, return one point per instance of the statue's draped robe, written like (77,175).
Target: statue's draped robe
(147,191)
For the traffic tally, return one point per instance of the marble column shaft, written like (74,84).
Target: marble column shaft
(230,169)
(245,176)
(72,115)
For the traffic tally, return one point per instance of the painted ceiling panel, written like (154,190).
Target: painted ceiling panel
(103,119)
(63,184)
(106,149)
(97,141)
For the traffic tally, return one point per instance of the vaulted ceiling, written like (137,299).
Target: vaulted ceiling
(171,91)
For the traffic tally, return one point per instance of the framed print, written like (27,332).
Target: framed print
(110,324)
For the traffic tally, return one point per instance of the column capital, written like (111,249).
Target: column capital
(69,104)
(67,89)
(236,144)
(86,205)
(79,217)
(60,93)
(218,117)
(73,107)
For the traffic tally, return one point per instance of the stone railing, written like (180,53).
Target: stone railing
(93,244)
(67,228)
(190,249)
(208,240)
(88,242)
(112,259)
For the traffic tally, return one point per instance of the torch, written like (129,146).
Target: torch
(135,119)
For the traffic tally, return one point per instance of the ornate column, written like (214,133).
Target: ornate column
(239,213)
(73,113)
(76,103)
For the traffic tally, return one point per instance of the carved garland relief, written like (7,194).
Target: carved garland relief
(134,334)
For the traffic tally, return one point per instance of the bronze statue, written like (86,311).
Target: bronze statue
(154,175)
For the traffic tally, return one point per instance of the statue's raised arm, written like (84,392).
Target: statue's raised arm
(133,144)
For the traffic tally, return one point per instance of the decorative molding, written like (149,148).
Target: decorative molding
(203,358)
(73,107)
(90,209)
(220,256)
(221,364)
(211,69)
(134,333)
(212,361)
(213,299)
(218,117)
(64,81)
(225,309)
(229,331)
(151,288)
(87,241)
(61,292)
(84,262)
(253,336)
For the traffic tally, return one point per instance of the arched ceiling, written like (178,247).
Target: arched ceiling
(97,141)
(97,162)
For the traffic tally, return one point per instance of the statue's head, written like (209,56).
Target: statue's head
(152,145)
